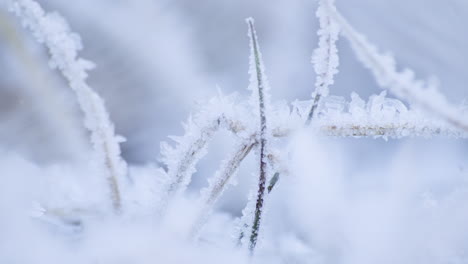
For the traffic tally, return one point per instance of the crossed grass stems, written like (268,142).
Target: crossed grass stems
(270,166)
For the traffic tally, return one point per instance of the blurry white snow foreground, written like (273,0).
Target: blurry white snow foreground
(256,124)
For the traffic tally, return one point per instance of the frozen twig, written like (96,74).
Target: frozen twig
(63,45)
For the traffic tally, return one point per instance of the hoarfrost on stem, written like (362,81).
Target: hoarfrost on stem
(402,83)
(260,88)
(52,30)
(378,117)
(219,182)
(181,160)
(325,57)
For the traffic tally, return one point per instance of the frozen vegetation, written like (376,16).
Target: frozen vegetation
(305,202)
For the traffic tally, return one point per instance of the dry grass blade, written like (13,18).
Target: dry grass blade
(262,135)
